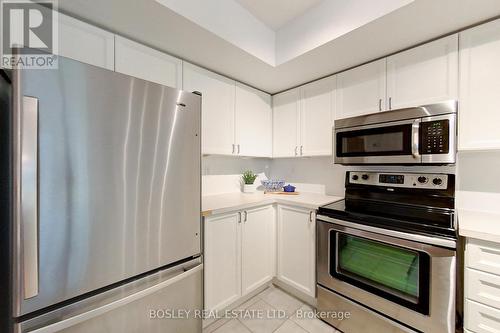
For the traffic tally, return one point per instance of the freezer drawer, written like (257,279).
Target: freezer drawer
(141,306)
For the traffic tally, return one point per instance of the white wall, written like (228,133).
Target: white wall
(314,170)
(327,21)
(232,22)
(228,165)
(476,171)
(321,170)
(479,171)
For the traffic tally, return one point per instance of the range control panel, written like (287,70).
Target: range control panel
(408,180)
(435,137)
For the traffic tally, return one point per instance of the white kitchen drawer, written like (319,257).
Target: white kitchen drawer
(483,287)
(481,318)
(482,255)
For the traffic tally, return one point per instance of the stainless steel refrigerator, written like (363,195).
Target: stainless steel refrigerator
(100,203)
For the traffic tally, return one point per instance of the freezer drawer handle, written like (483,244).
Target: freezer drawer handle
(28,208)
(72,321)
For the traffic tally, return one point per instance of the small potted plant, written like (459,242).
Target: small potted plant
(248,181)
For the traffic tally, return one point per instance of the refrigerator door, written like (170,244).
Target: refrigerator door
(109,186)
(168,301)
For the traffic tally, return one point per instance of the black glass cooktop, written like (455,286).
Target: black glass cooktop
(392,215)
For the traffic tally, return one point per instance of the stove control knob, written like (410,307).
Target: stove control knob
(355,177)
(365,177)
(437,181)
(422,180)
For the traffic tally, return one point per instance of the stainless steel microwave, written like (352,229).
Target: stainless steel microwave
(418,135)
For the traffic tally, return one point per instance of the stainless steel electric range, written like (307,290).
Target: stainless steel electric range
(388,254)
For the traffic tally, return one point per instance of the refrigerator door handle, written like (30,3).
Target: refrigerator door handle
(101,310)
(28,206)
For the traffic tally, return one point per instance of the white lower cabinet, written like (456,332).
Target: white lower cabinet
(482,286)
(257,248)
(296,248)
(222,260)
(239,254)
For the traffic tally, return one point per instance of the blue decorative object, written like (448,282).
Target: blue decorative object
(289,188)
(271,185)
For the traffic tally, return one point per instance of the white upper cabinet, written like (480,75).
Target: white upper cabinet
(253,115)
(222,256)
(423,75)
(286,124)
(146,63)
(86,43)
(361,90)
(479,108)
(316,117)
(257,248)
(218,98)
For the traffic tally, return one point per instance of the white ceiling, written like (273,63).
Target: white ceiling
(276,13)
(150,23)
(305,29)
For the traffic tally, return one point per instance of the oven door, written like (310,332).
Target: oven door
(387,143)
(408,281)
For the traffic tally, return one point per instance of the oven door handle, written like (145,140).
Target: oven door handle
(415,138)
(431,245)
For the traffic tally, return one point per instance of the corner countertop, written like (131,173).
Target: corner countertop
(479,215)
(224,203)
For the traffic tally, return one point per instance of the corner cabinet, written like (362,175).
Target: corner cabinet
(145,63)
(303,120)
(479,113)
(286,123)
(296,248)
(253,118)
(86,43)
(423,75)
(239,252)
(361,90)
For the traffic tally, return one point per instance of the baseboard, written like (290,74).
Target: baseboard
(312,301)
(238,302)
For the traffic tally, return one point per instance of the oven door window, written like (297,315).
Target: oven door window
(395,273)
(380,141)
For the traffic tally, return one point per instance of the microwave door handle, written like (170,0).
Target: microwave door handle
(415,138)
(27,204)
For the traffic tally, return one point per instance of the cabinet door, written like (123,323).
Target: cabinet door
(222,257)
(361,90)
(286,124)
(296,252)
(258,235)
(86,43)
(479,113)
(253,122)
(424,75)
(317,112)
(217,110)
(148,64)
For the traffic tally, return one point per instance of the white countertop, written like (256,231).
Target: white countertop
(223,203)
(479,215)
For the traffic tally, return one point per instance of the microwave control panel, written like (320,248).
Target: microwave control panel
(434,137)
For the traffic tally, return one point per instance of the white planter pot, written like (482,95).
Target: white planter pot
(249,188)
